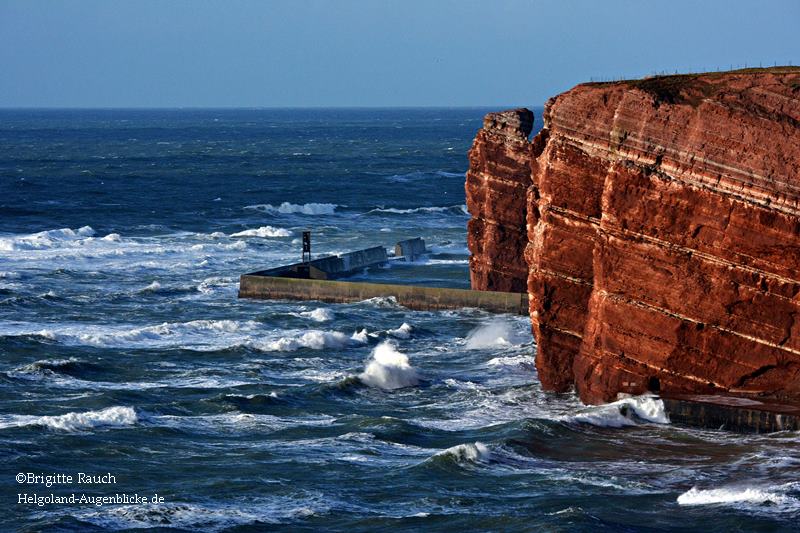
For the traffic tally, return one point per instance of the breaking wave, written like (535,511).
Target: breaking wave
(739,495)
(264,231)
(317,315)
(453,209)
(625,412)
(45,239)
(389,369)
(403,332)
(469,452)
(315,340)
(289,208)
(106,418)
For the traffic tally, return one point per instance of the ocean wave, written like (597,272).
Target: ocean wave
(153,287)
(422,174)
(237,422)
(192,334)
(45,239)
(314,339)
(317,315)
(403,332)
(527,362)
(389,369)
(626,412)
(205,516)
(742,496)
(106,418)
(264,231)
(382,302)
(452,209)
(471,452)
(289,208)
(210,285)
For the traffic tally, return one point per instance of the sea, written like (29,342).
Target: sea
(126,356)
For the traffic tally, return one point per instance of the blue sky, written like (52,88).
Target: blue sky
(161,53)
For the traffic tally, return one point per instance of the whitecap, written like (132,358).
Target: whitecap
(523,361)
(360,336)
(735,495)
(45,239)
(264,231)
(317,315)
(471,452)
(403,332)
(389,369)
(624,412)
(454,209)
(153,287)
(110,417)
(314,339)
(290,208)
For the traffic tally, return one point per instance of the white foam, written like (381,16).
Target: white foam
(153,287)
(360,336)
(45,239)
(458,209)
(732,495)
(314,339)
(524,361)
(621,413)
(209,285)
(389,369)
(289,208)
(109,417)
(403,332)
(472,452)
(318,315)
(264,231)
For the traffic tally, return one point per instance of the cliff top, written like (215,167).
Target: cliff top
(693,88)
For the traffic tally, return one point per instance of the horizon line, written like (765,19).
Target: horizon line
(252,108)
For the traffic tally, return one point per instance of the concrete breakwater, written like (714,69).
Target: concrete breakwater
(262,286)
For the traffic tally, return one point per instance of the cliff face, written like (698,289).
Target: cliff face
(499,176)
(663,235)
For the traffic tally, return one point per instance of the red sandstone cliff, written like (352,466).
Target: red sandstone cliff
(663,233)
(499,176)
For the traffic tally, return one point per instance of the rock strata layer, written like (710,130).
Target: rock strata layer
(656,225)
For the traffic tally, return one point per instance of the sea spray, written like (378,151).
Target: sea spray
(494,333)
(624,412)
(389,369)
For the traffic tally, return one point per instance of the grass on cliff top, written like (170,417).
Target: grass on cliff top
(691,88)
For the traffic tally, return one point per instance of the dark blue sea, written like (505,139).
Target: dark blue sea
(124,350)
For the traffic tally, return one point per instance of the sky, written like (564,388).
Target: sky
(331,53)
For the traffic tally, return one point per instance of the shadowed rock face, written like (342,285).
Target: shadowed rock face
(662,248)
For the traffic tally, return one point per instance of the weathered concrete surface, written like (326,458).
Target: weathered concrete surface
(410,249)
(413,297)
(334,266)
(663,233)
(743,415)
